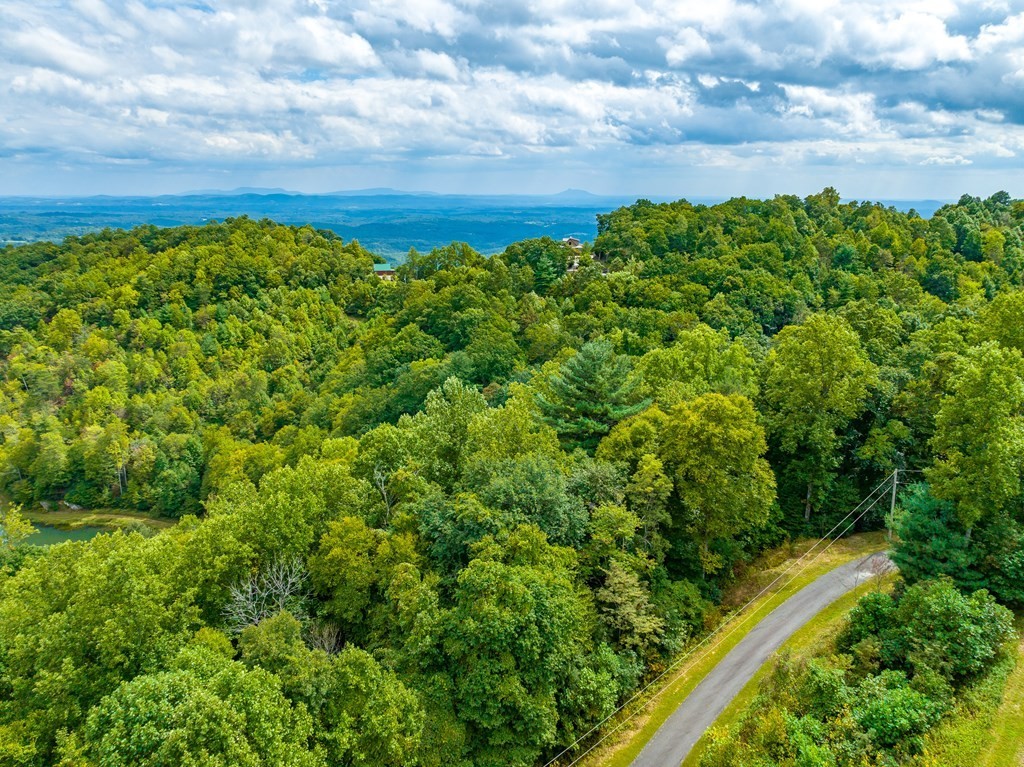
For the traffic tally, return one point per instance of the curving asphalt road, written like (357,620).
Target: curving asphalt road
(673,741)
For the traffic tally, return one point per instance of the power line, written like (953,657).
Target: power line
(905,483)
(716,645)
(712,634)
(881,487)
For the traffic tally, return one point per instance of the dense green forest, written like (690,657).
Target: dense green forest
(457,518)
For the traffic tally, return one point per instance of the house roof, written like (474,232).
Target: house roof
(383,268)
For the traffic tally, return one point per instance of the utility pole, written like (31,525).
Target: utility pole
(892,504)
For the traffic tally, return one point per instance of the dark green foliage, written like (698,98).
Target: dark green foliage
(931,542)
(892,713)
(818,381)
(1003,564)
(872,615)
(510,641)
(590,393)
(362,714)
(682,608)
(532,490)
(937,627)
(546,259)
(450,527)
(932,626)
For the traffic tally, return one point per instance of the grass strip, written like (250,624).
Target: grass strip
(986,728)
(1007,747)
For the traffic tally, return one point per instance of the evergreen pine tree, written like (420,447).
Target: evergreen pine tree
(932,542)
(590,393)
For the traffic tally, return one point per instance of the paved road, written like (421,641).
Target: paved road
(673,741)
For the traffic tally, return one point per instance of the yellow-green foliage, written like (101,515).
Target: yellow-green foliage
(508,491)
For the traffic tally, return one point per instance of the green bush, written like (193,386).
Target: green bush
(892,713)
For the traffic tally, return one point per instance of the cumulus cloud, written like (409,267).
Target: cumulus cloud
(614,85)
(954,160)
(913,40)
(48,48)
(687,44)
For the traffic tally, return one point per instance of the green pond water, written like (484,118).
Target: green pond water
(46,535)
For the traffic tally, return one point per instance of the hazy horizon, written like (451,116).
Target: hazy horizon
(388,222)
(371,192)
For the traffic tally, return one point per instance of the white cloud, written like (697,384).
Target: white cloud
(688,43)
(996,37)
(47,47)
(946,160)
(434,16)
(324,41)
(433,63)
(288,83)
(911,40)
(846,113)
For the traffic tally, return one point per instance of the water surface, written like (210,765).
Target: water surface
(47,535)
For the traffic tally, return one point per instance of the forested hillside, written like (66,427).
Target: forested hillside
(456,518)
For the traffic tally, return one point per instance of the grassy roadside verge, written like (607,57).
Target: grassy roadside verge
(1007,746)
(986,729)
(656,706)
(808,641)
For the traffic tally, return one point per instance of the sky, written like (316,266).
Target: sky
(896,99)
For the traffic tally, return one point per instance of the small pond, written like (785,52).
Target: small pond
(46,535)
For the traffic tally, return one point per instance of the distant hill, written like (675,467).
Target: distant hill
(924,208)
(387,221)
(378,191)
(241,190)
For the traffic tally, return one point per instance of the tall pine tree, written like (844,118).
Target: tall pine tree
(590,394)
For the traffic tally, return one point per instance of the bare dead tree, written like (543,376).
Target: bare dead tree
(880,566)
(381,481)
(324,635)
(278,587)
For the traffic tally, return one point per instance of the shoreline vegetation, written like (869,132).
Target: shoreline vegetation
(63,517)
(110,520)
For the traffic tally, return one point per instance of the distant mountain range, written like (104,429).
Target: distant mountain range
(243,190)
(565,197)
(387,221)
(380,191)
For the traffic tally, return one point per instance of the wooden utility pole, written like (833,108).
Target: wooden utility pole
(892,504)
